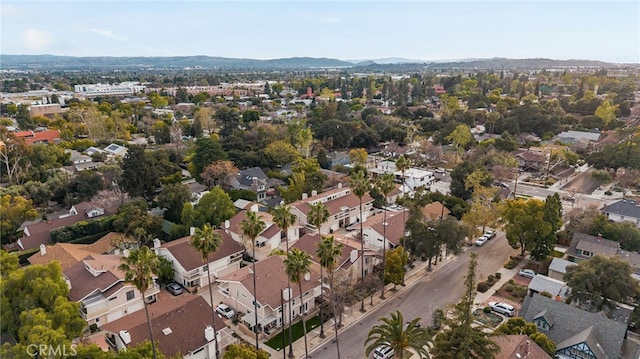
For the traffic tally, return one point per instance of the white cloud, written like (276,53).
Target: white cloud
(37,40)
(108,33)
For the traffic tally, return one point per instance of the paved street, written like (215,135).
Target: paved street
(443,286)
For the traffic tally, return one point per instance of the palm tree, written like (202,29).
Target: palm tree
(359,184)
(206,241)
(394,334)
(252,226)
(283,217)
(296,265)
(319,214)
(402,164)
(385,186)
(138,268)
(328,252)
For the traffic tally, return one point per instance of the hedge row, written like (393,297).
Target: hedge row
(82,229)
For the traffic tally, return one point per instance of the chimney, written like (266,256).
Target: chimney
(192,231)
(126,337)
(599,236)
(43,249)
(305,196)
(340,185)
(156,243)
(208,333)
(314,193)
(254,208)
(227,224)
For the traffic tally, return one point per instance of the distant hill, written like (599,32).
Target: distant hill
(174,62)
(53,62)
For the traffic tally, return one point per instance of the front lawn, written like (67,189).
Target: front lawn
(298,332)
(513,291)
(491,320)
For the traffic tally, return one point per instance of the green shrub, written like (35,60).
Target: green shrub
(491,279)
(498,275)
(82,229)
(483,287)
(486,309)
(607,193)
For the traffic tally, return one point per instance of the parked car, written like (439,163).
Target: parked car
(383,352)
(501,184)
(527,273)
(568,198)
(225,311)
(490,233)
(174,288)
(503,308)
(481,241)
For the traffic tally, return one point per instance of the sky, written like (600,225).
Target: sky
(347,30)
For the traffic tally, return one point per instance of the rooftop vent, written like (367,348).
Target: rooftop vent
(126,337)
(167,331)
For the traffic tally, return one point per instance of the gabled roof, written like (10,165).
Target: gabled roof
(570,321)
(245,177)
(560,265)
(187,321)
(624,208)
(591,136)
(593,244)
(308,243)
(394,225)
(434,210)
(518,346)
(83,283)
(546,315)
(235,221)
(40,233)
(541,283)
(67,254)
(270,280)
(31,137)
(588,337)
(189,259)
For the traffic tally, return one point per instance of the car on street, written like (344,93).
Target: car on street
(225,311)
(503,308)
(174,288)
(569,198)
(489,233)
(383,352)
(527,273)
(481,241)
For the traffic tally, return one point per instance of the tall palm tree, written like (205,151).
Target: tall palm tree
(384,184)
(296,265)
(138,268)
(394,334)
(252,226)
(402,164)
(206,241)
(285,219)
(359,184)
(319,214)
(329,251)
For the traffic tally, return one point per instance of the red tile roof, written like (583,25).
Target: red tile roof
(31,137)
(184,253)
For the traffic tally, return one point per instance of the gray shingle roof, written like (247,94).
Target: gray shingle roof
(586,336)
(245,177)
(570,322)
(560,265)
(624,208)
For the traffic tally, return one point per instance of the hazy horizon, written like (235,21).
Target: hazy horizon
(427,30)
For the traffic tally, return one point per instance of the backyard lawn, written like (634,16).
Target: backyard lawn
(276,341)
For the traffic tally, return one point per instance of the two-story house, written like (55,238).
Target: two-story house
(271,292)
(98,285)
(188,266)
(252,179)
(182,328)
(375,230)
(342,204)
(272,237)
(623,210)
(577,333)
(413,177)
(585,247)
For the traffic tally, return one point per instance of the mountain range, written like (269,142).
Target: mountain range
(54,62)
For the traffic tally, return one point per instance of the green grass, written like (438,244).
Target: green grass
(276,341)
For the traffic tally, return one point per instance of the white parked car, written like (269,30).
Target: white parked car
(490,233)
(527,273)
(225,311)
(383,352)
(481,241)
(503,308)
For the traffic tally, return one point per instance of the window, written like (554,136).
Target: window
(306,307)
(113,298)
(130,295)
(542,324)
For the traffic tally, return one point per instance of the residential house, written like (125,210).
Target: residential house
(375,229)
(68,254)
(623,210)
(33,137)
(252,179)
(197,191)
(271,283)
(573,136)
(348,270)
(47,110)
(435,211)
(35,234)
(585,247)
(115,150)
(576,332)
(338,158)
(182,328)
(342,204)
(518,346)
(269,239)
(413,177)
(555,287)
(558,268)
(529,160)
(98,286)
(189,269)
